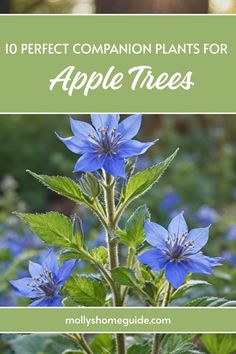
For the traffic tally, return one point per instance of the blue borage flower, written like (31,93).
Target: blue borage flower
(206,215)
(177,250)
(106,143)
(45,282)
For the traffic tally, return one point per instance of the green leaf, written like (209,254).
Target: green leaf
(219,343)
(86,290)
(100,255)
(144,180)
(39,344)
(53,228)
(179,344)
(188,285)
(135,235)
(103,344)
(89,185)
(63,186)
(124,276)
(211,302)
(68,302)
(74,254)
(139,349)
(150,289)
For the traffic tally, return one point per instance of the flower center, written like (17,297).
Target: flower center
(45,282)
(106,142)
(176,247)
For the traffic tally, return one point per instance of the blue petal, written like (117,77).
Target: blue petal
(65,271)
(24,288)
(73,144)
(109,121)
(35,269)
(54,301)
(89,163)
(82,130)
(178,226)
(214,262)
(199,237)
(130,126)
(176,273)
(199,263)
(133,148)
(51,263)
(115,166)
(156,235)
(153,258)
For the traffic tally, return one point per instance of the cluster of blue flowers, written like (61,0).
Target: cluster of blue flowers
(106,145)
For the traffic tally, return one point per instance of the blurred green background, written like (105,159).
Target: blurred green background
(204,171)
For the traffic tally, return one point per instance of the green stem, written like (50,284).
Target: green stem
(85,345)
(130,262)
(112,246)
(103,271)
(156,347)
(80,339)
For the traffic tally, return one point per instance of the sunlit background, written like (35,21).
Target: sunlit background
(222,6)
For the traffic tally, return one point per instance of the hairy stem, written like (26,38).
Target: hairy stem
(156,347)
(85,345)
(80,339)
(130,263)
(112,246)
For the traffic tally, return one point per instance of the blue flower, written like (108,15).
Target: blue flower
(45,281)
(177,250)
(16,244)
(231,232)
(106,143)
(229,257)
(206,215)
(8,299)
(169,201)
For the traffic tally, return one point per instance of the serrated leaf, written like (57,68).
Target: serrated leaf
(103,344)
(100,255)
(63,186)
(219,343)
(124,276)
(86,290)
(188,285)
(179,344)
(139,349)
(53,227)
(211,302)
(142,181)
(135,235)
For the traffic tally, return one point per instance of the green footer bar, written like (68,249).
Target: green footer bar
(114,320)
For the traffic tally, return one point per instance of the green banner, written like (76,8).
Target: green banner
(113,320)
(117,63)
